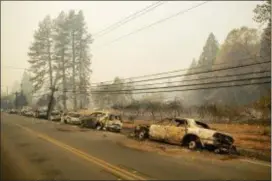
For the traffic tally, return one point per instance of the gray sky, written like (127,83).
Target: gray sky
(167,46)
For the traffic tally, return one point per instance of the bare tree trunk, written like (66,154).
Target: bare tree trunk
(50,64)
(63,80)
(74,73)
(80,76)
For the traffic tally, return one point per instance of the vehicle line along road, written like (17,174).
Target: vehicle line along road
(46,150)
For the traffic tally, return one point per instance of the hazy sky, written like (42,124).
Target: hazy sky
(167,46)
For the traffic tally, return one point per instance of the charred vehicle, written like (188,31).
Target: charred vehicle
(186,132)
(27,111)
(55,115)
(71,118)
(103,121)
(13,111)
(41,113)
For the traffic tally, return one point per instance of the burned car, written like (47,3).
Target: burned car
(103,121)
(41,113)
(13,111)
(27,111)
(55,115)
(190,133)
(71,118)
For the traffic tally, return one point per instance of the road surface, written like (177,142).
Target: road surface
(39,149)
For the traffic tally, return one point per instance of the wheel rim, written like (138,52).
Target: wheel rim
(141,134)
(192,145)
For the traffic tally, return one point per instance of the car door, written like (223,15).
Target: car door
(175,131)
(158,131)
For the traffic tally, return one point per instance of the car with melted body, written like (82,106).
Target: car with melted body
(71,118)
(102,120)
(187,132)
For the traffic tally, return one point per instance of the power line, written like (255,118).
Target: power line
(180,70)
(196,73)
(157,22)
(202,88)
(197,84)
(197,79)
(129,18)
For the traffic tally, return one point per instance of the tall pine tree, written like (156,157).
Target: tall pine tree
(61,51)
(40,54)
(82,41)
(210,51)
(205,62)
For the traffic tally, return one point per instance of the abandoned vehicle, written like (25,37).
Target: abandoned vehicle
(103,121)
(186,132)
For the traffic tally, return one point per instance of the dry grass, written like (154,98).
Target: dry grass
(256,137)
(171,150)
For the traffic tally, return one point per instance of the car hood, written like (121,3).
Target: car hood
(115,122)
(206,133)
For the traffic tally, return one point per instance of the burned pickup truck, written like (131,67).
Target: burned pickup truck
(186,132)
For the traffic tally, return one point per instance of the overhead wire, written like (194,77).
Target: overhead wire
(196,84)
(185,69)
(129,18)
(190,74)
(190,89)
(196,79)
(155,23)
(195,73)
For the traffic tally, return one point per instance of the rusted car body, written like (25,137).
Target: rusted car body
(186,132)
(101,120)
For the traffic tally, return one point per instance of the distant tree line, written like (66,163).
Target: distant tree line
(231,104)
(240,45)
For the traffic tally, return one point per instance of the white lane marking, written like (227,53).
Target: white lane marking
(256,162)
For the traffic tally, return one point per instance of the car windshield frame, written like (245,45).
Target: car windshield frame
(75,115)
(202,125)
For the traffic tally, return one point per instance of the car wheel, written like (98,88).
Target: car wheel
(81,125)
(98,127)
(142,135)
(194,144)
(233,151)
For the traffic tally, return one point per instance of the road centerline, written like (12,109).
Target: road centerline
(111,168)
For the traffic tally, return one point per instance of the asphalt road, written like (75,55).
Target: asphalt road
(39,149)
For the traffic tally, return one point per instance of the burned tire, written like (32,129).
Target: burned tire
(98,126)
(192,142)
(233,151)
(142,134)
